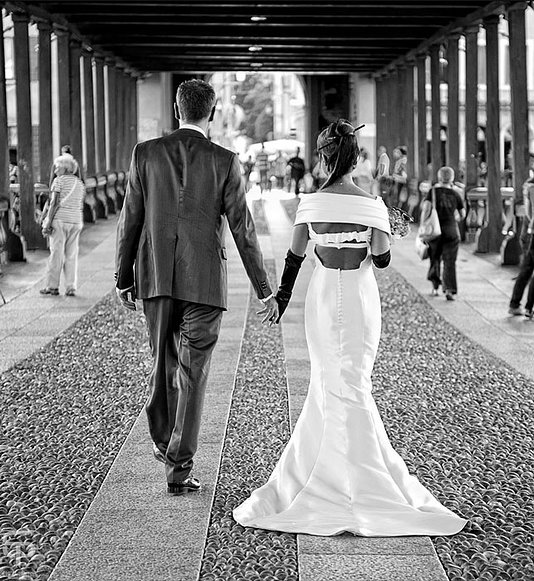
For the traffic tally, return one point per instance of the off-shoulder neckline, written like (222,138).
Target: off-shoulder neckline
(344,195)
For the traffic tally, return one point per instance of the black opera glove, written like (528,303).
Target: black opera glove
(292,266)
(382,260)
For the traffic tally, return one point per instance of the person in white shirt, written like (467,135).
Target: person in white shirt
(63,225)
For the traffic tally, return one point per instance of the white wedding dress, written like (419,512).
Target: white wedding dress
(339,471)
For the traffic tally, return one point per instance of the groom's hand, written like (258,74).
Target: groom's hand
(127,297)
(269,312)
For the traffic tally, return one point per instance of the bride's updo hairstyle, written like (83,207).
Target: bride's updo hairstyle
(338,147)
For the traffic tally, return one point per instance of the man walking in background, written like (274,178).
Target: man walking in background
(171,253)
(298,169)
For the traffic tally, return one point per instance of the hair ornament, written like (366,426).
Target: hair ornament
(342,128)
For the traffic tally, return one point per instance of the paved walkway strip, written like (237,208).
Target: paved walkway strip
(257,431)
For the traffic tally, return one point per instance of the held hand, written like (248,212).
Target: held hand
(127,297)
(269,312)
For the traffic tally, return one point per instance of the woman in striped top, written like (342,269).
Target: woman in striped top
(64,224)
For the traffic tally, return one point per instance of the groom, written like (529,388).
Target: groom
(182,190)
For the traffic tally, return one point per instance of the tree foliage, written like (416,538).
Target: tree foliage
(254,95)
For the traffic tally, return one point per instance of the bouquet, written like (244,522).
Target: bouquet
(399,222)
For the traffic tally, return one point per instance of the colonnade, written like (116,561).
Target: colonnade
(97,104)
(407,113)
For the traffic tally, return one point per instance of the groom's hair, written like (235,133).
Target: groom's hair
(195,100)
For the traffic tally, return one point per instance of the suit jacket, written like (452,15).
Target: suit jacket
(182,191)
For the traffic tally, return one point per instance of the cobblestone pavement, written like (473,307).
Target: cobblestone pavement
(461,418)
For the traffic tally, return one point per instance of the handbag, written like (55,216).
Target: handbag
(430,228)
(421,247)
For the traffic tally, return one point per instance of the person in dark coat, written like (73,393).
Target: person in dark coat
(182,192)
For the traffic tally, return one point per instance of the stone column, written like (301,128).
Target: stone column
(45,102)
(100,107)
(471,107)
(409,126)
(134,136)
(128,121)
(29,227)
(386,124)
(112,115)
(453,104)
(379,111)
(394,108)
(4,147)
(437,162)
(518,84)
(64,76)
(390,121)
(119,116)
(491,236)
(421,118)
(89,113)
(76,100)
(401,104)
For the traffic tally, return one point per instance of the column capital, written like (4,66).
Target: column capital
(75,43)
(421,56)
(99,58)
(513,6)
(471,30)
(491,20)
(20,16)
(87,51)
(43,25)
(454,36)
(60,30)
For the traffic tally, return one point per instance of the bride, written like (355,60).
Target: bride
(339,471)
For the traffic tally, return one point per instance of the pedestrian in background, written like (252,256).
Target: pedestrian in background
(382,164)
(248,166)
(63,224)
(279,170)
(450,209)
(526,269)
(262,167)
(318,173)
(65,150)
(298,169)
(399,194)
(363,172)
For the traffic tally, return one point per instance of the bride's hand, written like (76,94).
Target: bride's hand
(269,312)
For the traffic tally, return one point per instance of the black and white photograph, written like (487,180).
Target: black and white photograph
(267,290)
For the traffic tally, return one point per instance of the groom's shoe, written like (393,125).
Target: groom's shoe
(158,454)
(179,488)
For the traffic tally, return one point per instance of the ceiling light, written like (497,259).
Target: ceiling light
(258,18)
(255,48)
(256,65)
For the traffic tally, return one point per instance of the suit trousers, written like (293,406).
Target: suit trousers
(182,337)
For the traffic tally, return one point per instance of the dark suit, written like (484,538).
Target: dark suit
(182,190)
